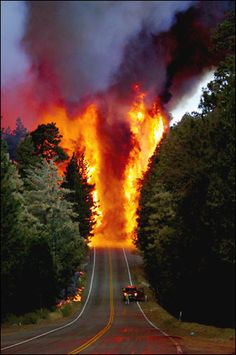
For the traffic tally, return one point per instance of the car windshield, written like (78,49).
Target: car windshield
(131,289)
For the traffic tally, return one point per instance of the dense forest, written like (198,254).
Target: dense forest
(44,232)
(186,216)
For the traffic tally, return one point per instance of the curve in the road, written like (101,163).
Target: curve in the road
(126,330)
(66,325)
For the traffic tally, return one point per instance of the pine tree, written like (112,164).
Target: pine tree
(13,233)
(46,139)
(20,131)
(26,156)
(76,179)
(48,203)
(13,138)
(193,174)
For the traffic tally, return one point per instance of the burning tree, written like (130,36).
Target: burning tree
(112,101)
(109,88)
(81,194)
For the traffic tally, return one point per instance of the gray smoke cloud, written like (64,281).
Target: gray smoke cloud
(77,47)
(14,61)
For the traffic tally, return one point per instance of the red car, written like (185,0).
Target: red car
(134,293)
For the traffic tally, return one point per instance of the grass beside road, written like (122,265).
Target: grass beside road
(39,319)
(194,338)
(42,317)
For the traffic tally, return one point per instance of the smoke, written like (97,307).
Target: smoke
(188,44)
(169,64)
(14,61)
(17,83)
(77,47)
(67,52)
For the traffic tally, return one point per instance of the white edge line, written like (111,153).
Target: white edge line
(178,348)
(66,325)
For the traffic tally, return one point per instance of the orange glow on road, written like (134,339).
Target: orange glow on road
(112,169)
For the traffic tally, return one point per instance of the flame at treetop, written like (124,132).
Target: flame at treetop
(117,152)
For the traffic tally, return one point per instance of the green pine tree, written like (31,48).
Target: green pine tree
(46,139)
(13,233)
(190,257)
(76,180)
(48,203)
(13,138)
(26,156)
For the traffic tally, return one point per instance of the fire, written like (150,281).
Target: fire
(113,169)
(147,129)
(76,298)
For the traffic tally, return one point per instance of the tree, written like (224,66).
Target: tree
(39,278)
(13,138)
(14,232)
(156,232)
(48,203)
(76,180)
(20,131)
(46,139)
(41,243)
(190,257)
(192,179)
(26,156)
(222,87)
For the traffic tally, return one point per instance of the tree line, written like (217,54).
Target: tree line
(46,219)
(186,215)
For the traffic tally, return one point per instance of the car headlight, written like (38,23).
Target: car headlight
(125,294)
(135,294)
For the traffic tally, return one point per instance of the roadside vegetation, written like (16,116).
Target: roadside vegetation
(44,233)
(194,338)
(186,215)
(45,315)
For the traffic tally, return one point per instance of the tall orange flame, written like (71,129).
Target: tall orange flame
(116,195)
(147,128)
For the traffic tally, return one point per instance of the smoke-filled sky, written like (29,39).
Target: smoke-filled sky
(191,101)
(70,51)
(14,61)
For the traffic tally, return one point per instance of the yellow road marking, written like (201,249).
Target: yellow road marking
(110,321)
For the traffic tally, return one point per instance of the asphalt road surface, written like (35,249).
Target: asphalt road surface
(104,325)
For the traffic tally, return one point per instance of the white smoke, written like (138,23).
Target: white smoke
(14,61)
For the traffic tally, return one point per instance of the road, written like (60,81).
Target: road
(104,325)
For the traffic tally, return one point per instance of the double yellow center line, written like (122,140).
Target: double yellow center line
(110,321)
